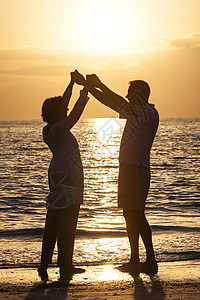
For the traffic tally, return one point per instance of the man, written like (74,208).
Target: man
(134,164)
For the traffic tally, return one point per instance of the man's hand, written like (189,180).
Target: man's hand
(93,80)
(77,77)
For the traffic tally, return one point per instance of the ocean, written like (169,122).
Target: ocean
(173,203)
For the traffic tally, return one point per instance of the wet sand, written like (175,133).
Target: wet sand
(175,280)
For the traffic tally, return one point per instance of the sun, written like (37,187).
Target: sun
(102,26)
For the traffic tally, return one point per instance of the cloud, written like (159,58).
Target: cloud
(189,41)
(171,66)
(30,61)
(48,62)
(33,61)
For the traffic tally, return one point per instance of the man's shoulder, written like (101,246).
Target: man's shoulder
(127,110)
(150,108)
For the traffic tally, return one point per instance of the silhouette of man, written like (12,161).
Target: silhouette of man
(134,164)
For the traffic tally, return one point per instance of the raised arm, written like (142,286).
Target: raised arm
(102,93)
(77,110)
(100,96)
(68,92)
(76,77)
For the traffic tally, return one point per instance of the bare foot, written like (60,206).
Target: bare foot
(130,267)
(42,272)
(149,267)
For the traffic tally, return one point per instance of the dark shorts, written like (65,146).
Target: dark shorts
(133,186)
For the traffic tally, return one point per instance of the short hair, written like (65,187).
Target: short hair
(140,88)
(50,108)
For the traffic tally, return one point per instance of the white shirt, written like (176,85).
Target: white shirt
(138,135)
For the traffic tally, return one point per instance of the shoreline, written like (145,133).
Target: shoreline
(175,280)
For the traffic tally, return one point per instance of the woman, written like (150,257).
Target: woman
(65,176)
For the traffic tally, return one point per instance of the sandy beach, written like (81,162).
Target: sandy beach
(175,280)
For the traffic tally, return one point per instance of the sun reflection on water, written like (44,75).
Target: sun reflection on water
(99,250)
(172,205)
(107,136)
(108,272)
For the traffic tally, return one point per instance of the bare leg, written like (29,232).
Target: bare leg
(137,224)
(49,240)
(132,228)
(66,234)
(146,235)
(49,237)
(150,266)
(133,234)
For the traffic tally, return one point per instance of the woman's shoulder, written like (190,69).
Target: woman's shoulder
(46,130)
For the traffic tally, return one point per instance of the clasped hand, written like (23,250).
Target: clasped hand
(77,78)
(91,79)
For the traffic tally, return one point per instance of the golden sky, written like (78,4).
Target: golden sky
(42,41)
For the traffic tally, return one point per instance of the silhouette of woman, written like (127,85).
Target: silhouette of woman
(65,176)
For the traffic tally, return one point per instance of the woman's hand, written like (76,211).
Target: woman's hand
(77,77)
(93,80)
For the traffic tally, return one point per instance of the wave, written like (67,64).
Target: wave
(163,228)
(162,257)
(21,232)
(179,256)
(81,233)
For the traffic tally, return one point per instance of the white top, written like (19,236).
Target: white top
(138,135)
(65,170)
